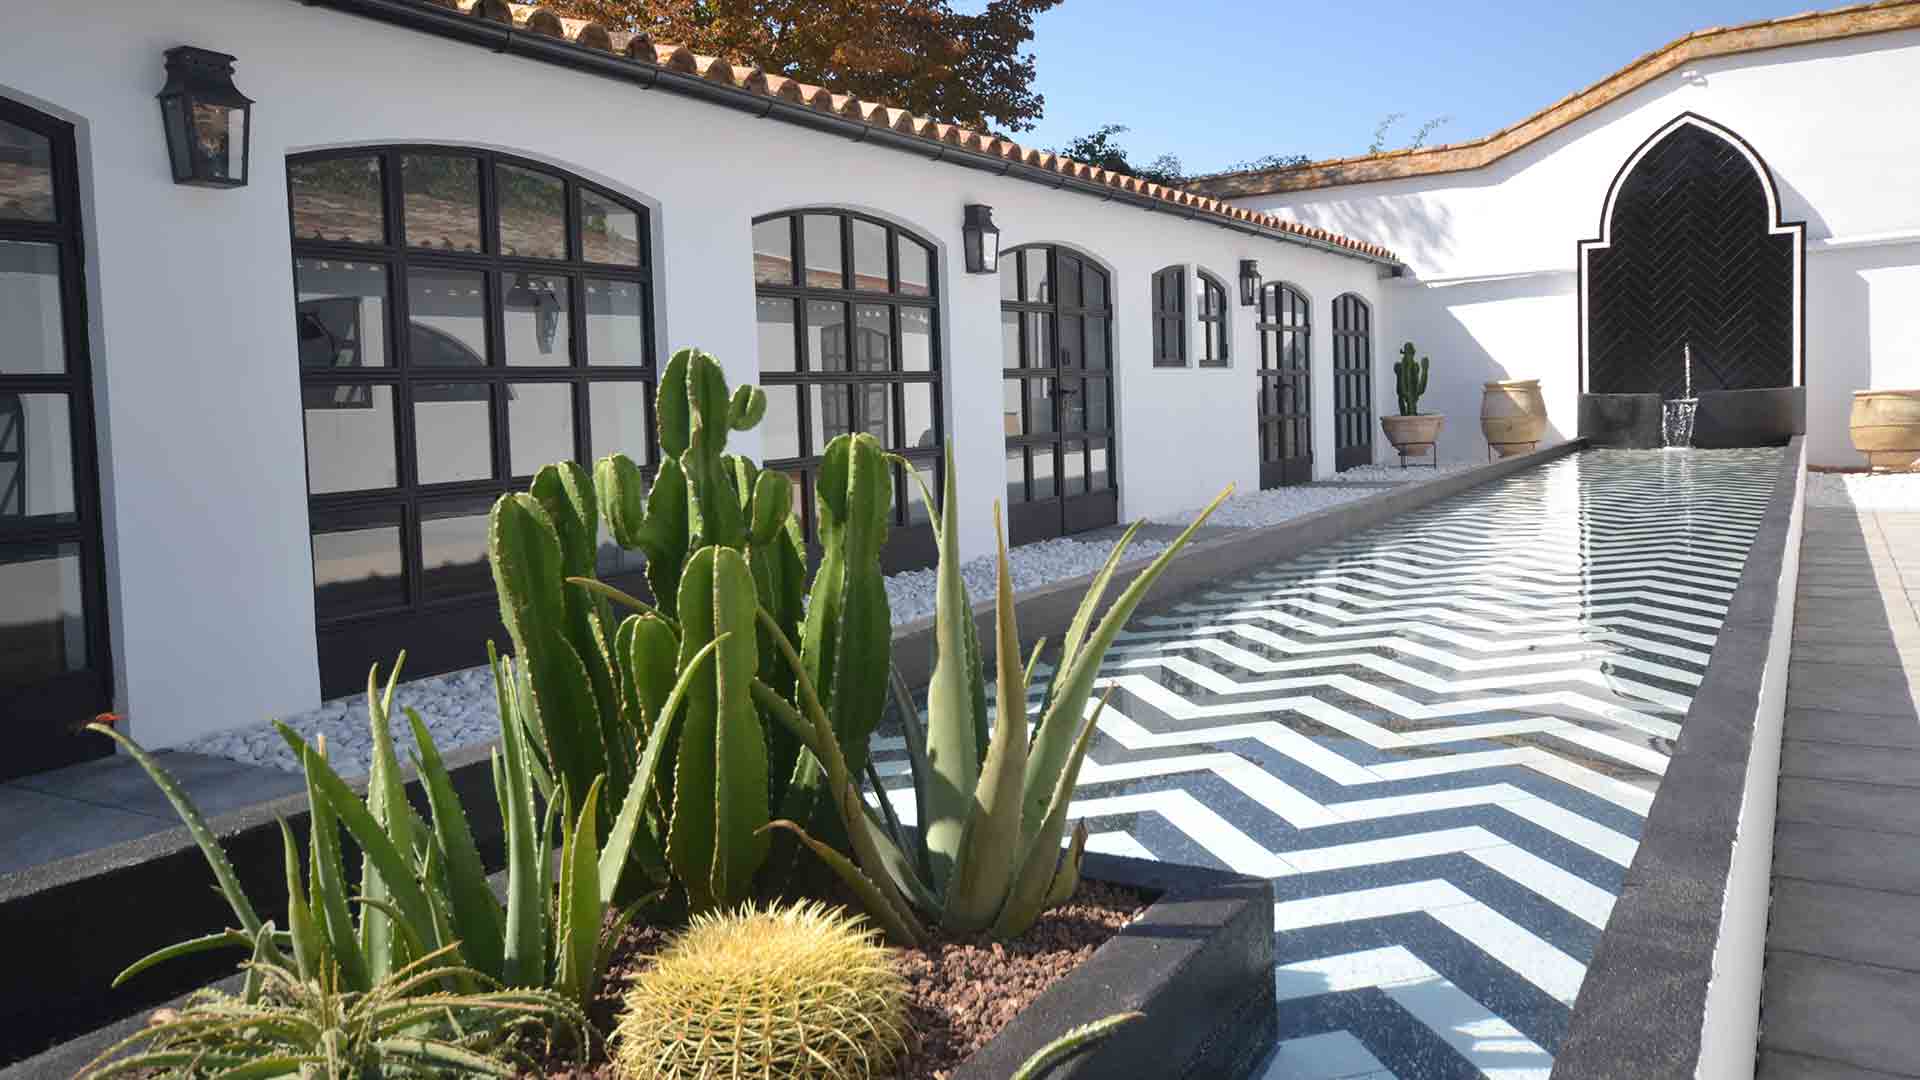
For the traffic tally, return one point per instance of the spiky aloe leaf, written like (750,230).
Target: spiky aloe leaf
(1040,863)
(308,954)
(1059,726)
(1072,1043)
(225,939)
(475,913)
(1066,880)
(956,695)
(523,948)
(328,879)
(386,805)
(892,918)
(577,943)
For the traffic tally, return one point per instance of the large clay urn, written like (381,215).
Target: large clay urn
(1513,416)
(1886,427)
(1414,436)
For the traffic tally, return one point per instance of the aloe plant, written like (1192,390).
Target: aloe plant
(987,854)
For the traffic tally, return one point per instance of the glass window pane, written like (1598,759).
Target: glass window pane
(1041,458)
(539,425)
(773,252)
(826,336)
(916,266)
(780,430)
(1016,475)
(774,316)
(609,232)
(340,318)
(1010,339)
(36,456)
(1071,329)
(831,414)
(1039,405)
(1095,339)
(873,337)
(916,505)
(618,412)
(357,566)
(916,339)
(1099,470)
(1094,282)
(442,201)
(825,267)
(917,420)
(536,315)
(1095,394)
(1068,284)
(1039,339)
(42,614)
(452,432)
(1073,460)
(1015,419)
(448,314)
(617,323)
(339,199)
(1037,288)
(26,175)
(1073,405)
(453,548)
(1010,277)
(876,411)
(533,213)
(869,256)
(32,337)
(349,438)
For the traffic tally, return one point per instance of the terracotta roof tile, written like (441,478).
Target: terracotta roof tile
(640,47)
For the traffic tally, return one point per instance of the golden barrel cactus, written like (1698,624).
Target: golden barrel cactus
(802,991)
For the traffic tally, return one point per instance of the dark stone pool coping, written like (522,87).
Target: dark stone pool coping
(72,924)
(1644,1008)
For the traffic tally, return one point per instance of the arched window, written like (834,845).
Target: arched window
(1285,413)
(1352,382)
(848,326)
(463,318)
(1170,317)
(1212,298)
(1056,332)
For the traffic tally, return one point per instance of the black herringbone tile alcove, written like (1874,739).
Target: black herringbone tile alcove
(1691,261)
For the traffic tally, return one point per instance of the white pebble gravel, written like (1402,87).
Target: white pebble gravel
(1254,509)
(910,594)
(1864,491)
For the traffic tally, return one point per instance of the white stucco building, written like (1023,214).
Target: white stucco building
(257,429)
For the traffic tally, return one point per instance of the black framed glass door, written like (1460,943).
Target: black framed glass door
(1056,321)
(1352,382)
(55,673)
(1285,408)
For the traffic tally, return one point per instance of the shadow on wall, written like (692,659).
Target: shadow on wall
(1419,230)
(1863,332)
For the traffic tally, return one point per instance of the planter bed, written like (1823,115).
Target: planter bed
(1198,961)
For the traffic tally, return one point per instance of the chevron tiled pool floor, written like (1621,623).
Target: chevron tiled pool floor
(1439,738)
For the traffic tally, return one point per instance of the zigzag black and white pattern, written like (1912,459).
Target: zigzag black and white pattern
(1439,739)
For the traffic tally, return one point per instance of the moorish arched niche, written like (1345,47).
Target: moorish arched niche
(1692,252)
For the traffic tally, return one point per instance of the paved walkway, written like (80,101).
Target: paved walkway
(1842,995)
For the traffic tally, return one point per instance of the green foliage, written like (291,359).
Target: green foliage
(789,992)
(722,545)
(1409,380)
(1102,149)
(289,1022)
(1073,1042)
(987,854)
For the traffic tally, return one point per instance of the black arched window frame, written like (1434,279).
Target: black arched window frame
(1214,316)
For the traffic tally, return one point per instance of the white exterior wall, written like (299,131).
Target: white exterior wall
(1492,250)
(191,297)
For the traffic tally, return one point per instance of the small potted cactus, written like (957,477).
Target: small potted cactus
(1412,433)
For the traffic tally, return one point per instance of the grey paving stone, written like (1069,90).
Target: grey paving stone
(1866,926)
(1848,805)
(1889,862)
(1849,1013)
(38,828)
(1861,764)
(1883,619)
(1884,689)
(1781,1065)
(1861,729)
(1820,649)
(215,784)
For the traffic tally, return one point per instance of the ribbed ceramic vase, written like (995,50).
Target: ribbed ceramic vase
(1513,416)
(1886,427)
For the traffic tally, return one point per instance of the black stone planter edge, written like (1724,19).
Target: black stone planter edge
(1647,999)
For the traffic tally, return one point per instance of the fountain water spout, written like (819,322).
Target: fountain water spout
(1676,430)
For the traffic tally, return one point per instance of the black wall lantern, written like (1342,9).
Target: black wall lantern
(1249,282)
(206,119)
(982,238)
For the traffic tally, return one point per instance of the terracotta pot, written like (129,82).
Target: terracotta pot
(1513,416)
(1886,427)
(1414,435)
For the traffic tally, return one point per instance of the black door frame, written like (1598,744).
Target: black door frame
(1063,513)
(40,718)
(1285,435)
(1352,340)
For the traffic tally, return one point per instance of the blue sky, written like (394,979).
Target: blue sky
(1220,81)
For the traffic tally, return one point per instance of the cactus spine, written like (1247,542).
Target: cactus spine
(1409,380)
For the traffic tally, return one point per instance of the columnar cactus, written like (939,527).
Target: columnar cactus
(1410,380)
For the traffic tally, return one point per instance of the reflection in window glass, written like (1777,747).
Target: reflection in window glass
(442,201)
(1014,418)
(1010,339)
(773,252)
(32,337)
(1038,291)
(869,256)
(36,457)
(1041,459)
(43,621)
(26,175)
(453,548)
(533,213)
(826,267)
(340,318)
(1073,464)
(780,431)
(452,432)
(539,425)
(826,336)
(774,316)
(350,438)
(617,331)
(448,312)
(535,314)
(1016,475)
(609,232)
(1099,473)
(917,426)
(337,199)
(1066,271)
(916,266)
(832,414)
(358,568)
(618,414)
